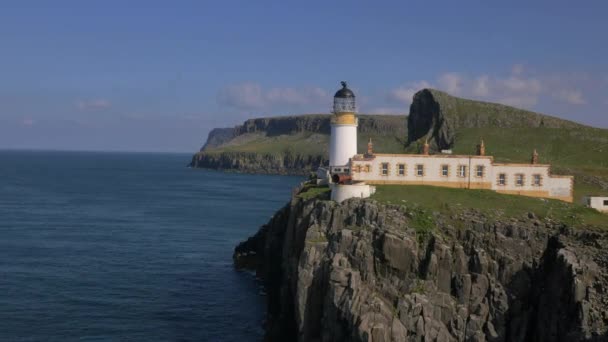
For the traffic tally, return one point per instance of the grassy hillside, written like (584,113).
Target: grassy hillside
(314,139)
(510,135)
(494,205)
(582,152)
(465,113)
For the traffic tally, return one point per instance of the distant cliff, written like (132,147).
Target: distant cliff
(290,144)
(218,137)
(439,116)
(366,271)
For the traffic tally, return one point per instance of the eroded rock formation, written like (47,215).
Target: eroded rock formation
(364,271)
(300,143)
(437,116)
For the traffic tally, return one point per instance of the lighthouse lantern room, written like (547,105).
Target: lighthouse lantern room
(343,140)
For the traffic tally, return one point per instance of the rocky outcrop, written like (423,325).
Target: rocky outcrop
(285,163)
(218,137)
(437,116)
(320,123)
(317,123)
(364,271)
(301,143)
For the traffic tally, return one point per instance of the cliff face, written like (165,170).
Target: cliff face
(218,137)
(320,123)
(437,115)
(285,163)
(286,125)
(364,271)
(290,144)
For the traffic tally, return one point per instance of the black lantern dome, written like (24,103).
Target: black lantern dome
(344,92)
(344,100)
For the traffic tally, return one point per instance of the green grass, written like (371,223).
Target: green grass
(581,148)
(305,143)
(462,113)
(382,143)
(581,152)
(318,239)
(454,201)
(314,191)
(418,286)
(308,143)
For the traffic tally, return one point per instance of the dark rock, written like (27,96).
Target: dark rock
(219,136)
(356,272)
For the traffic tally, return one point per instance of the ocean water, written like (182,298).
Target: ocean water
(128,247)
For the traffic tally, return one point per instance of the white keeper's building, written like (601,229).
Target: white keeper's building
(353,175)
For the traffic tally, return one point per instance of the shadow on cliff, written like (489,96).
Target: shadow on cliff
(545,303)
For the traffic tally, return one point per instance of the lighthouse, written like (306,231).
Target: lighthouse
(343,140)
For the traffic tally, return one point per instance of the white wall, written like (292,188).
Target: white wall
(597,202)
(528,170)
(561,187)
(432,168)
(551,186)
(342,192)
(342,144)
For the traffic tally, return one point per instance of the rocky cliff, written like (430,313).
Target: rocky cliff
(218,137)
(290,144)
(438,116)
(282,163)
(365,271)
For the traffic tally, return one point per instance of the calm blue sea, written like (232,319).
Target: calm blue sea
(128,247)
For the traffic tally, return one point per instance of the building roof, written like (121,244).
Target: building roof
(344,92)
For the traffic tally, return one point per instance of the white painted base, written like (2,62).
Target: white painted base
(342,192)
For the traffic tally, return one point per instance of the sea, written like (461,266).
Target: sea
(99,246)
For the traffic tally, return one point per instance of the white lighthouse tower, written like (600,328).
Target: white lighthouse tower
(343,140)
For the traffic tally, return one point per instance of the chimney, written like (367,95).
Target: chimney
(534,157)
(370,147)
(426,147)
(481,148)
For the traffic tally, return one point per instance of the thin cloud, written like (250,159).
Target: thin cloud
(481,86)
(251,96)
(517,69)
(571,96)
(95,104)
(451,82)
(516,89)
(28,122)
(404,94)
(519,87)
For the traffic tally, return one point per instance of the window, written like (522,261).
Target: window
(384,169)
(502,179)
(338,169)
(401,169)
(368,168)
(519,179)
(462,171)
(445,170)
(605,203)
(358,168)
(346,170)
(479,171)
(419,170)
(537,180)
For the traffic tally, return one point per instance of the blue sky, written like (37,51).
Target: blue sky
(158,75)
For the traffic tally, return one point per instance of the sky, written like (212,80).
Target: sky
(159,75)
